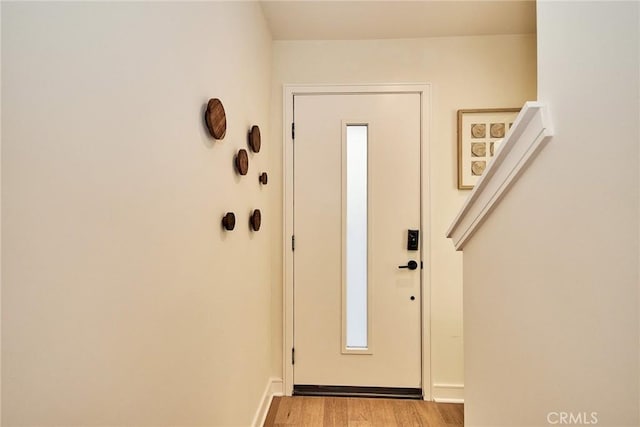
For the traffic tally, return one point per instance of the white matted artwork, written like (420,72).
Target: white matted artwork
(480,133)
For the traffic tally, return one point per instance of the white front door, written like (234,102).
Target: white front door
(357,320)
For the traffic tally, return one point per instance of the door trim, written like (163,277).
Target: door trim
(424,89)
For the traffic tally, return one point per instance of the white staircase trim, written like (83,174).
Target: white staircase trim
(529,133)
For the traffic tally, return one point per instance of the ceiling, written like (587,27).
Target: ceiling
(371,19)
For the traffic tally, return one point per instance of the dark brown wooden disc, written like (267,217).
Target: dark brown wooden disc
(242,162)
(229,221)
(254,139)
(216,118)
(255,220)
(263,178)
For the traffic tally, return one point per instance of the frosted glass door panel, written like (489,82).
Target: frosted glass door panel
(356,236)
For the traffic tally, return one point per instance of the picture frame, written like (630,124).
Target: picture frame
(480,132)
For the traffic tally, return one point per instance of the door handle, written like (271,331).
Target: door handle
(411,265)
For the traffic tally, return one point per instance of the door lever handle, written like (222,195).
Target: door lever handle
(411,265)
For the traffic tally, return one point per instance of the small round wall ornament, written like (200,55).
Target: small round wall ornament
(263,178)
(242,162)
(254,139)
(216,118)
(229,221)
(255,220)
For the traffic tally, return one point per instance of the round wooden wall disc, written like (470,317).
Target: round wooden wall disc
(229,221)
(216,118)
(255,220)
(242,162)
(254,139)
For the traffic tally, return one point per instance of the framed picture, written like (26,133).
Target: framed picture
(480,133)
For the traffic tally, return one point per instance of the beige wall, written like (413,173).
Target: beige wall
(465,72)
(123,301)
(551,278)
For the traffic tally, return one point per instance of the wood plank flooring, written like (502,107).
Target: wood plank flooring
(361,412)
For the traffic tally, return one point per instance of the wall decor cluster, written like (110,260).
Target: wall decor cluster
(480,133)
(216,122)
(216,118)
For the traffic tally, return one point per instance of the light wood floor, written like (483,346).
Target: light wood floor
(351,411)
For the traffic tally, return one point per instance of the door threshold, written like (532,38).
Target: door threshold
(356,391)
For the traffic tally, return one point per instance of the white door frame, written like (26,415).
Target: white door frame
(424,89)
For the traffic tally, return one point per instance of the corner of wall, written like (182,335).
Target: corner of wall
(448,393)
(273,388)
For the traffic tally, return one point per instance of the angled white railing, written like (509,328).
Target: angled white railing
(530,132)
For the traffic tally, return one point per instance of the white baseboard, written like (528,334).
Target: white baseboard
(274,388)
(448,393)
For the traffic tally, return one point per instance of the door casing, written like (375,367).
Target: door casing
(424,89)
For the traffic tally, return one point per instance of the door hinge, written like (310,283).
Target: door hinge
(293,243)
(421,265)
(293,356)
(293,130)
